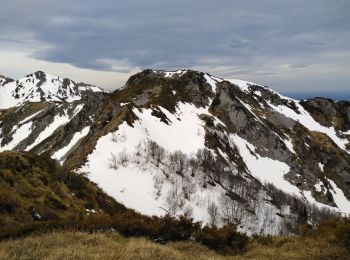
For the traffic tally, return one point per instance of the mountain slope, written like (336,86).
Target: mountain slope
(186,142)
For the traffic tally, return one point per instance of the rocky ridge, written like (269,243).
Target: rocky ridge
(186,142)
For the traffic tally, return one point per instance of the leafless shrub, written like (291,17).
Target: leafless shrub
(158,184)
(229,209)
(123,158)
(114,137)
(113,162)
(118,137)
(188,211)
(173,200)
(188,187)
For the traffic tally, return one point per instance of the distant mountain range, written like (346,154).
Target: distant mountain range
(336,95)
(186,142)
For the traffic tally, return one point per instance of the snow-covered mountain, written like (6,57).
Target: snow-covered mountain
(41,107)
(40,87)
(186,142)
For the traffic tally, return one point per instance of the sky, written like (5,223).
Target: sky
(293,46)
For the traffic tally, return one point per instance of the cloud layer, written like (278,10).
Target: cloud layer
(291,43)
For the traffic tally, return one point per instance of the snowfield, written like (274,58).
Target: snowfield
(184,132)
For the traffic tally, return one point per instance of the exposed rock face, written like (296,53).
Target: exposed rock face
(329,113)
(4,80)
(185,142)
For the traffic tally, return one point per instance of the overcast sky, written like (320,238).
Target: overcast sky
(289,45)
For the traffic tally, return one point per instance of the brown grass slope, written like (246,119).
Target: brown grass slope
(329,241)
(35,190)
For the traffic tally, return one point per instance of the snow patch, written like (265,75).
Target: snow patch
(242,84)
(321,166)
(339,198)
(50,129)
(184,134)
(20,133)
(319,187)
(212,82)
(309,122)
(289,144)
(169,74)
(264,168)
(30,117)
(76,137)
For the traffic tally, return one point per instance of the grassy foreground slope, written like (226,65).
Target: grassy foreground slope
(323,244)
(36,191)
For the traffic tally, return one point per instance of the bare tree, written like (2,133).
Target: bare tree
(206,158)
(160,155)
(179,159)
(152,148)
(188,187)
(156,152)
(194,164)
(213,212)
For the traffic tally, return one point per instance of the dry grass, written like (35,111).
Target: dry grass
(35,190)
(78,245)
(296,248)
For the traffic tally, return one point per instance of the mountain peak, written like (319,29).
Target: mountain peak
(41,87)
(4,80)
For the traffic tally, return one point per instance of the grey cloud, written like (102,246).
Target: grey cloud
(247,35)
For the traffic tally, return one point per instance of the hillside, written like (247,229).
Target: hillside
(35,190)
(187,143)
